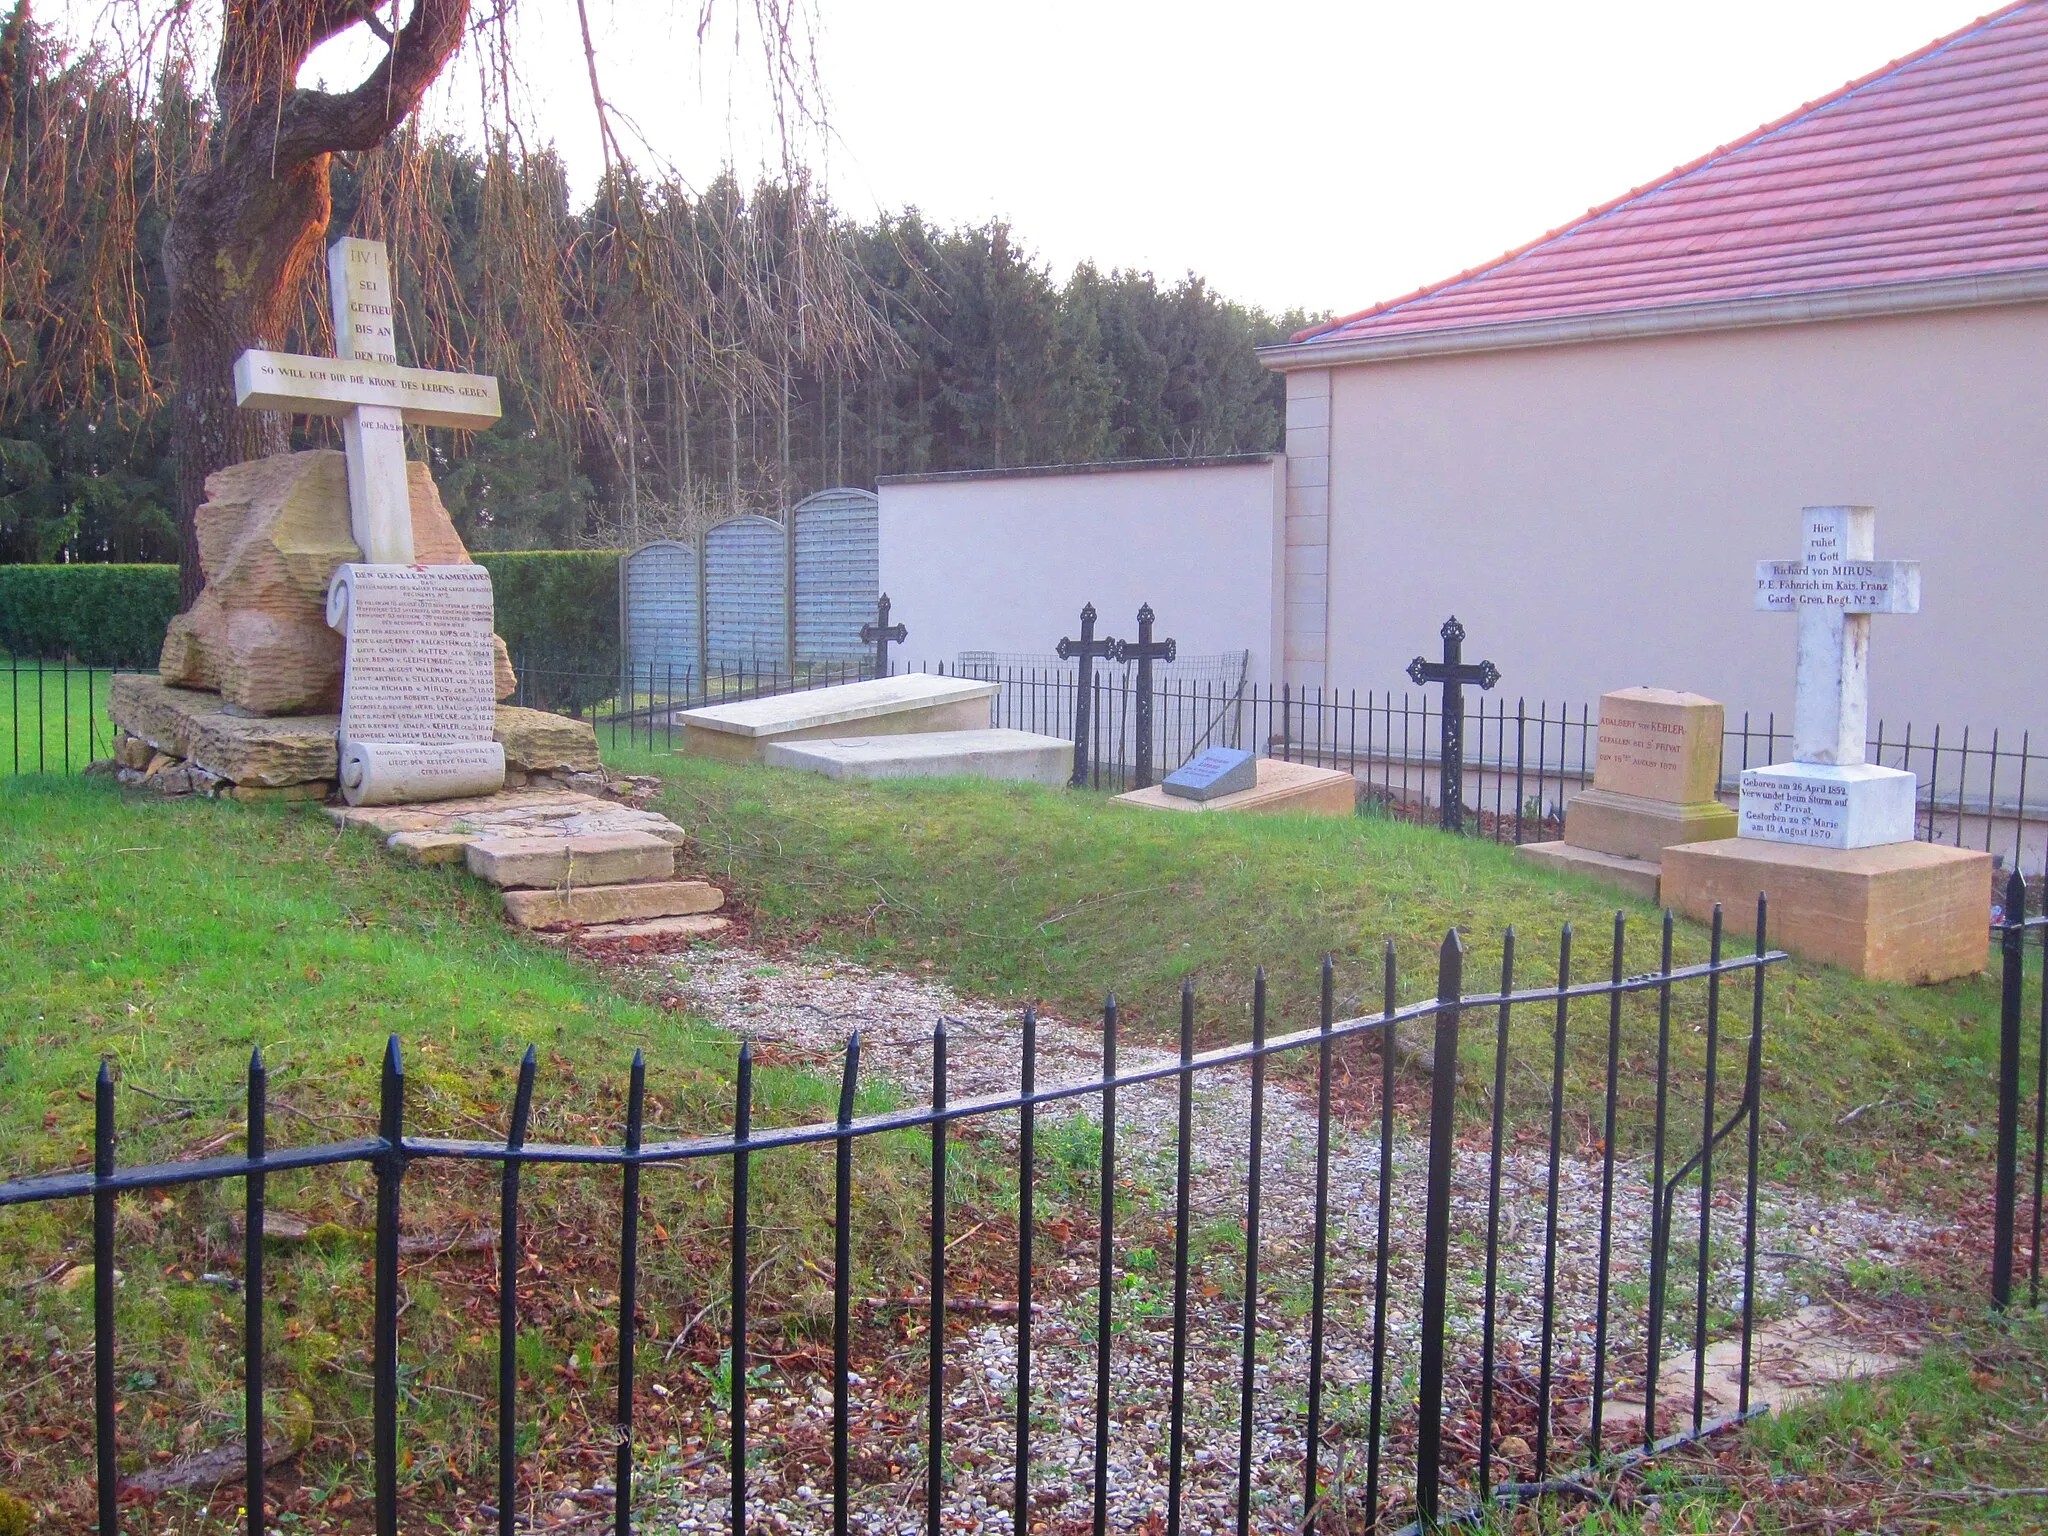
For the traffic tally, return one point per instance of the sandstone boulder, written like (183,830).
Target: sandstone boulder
(270,535)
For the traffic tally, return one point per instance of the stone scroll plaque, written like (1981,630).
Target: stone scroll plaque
(419,663)
(418,684)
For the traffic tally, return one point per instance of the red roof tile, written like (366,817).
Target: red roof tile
(1936,166)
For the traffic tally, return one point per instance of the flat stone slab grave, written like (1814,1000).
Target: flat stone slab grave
(995,753)
(1300,788)
(882,706)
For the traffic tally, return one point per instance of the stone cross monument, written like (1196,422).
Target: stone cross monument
(1828,795)
(419,693)
(375,398)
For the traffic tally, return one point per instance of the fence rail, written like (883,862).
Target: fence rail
(1453,1369)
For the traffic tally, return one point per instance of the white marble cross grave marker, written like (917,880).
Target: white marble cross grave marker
(1828,796)
(1835,590)
(374,396)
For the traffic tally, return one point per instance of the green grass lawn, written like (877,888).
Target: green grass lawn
(1935,1447)
(1030,894)
(49,710)
(172,937)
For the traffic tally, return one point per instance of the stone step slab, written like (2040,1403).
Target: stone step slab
(592,904)
(586,859)
(655,931)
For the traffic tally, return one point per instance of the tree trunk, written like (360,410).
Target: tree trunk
(248,228)
(236,254)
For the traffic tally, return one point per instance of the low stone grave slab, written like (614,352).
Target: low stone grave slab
(994,753)
(1298,788)
(882,706)
(1908,912)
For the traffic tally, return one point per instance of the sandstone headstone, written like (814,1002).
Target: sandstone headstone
(1657,768)
(271,534)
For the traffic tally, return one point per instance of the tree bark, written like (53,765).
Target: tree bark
(247,229)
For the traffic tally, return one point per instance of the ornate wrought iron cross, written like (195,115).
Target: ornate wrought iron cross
(880,633)
(1454,672)
(1143,650)
(1084,650)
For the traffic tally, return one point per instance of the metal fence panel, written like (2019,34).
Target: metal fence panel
(746,578)
(837,558)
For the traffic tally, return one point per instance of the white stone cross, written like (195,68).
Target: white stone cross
(1835,590)
(364,385)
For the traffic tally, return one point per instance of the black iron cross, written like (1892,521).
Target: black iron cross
(1454,672)
(880,633)
(1143,650)
(1085,650)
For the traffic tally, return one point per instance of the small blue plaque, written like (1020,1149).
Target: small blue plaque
(1207,775)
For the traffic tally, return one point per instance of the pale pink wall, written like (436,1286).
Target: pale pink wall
(1004,563)
(1593,513)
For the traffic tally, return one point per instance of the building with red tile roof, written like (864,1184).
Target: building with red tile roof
(1582,447)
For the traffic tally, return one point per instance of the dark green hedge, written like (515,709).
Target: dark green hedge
(104,615)
(557,609)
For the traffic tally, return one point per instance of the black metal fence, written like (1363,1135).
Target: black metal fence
(2012,931)
(52,716)
(1521,761)
(1459,1319)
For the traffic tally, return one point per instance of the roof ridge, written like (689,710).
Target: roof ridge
(1599,211)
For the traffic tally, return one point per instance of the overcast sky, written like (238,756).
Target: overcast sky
(1326,155)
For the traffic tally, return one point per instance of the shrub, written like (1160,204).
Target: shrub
(103,615)
(559,613)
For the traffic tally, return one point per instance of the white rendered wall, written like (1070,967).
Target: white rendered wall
(1005,562)
(1593,513)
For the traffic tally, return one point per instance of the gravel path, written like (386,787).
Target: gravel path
(808,1008)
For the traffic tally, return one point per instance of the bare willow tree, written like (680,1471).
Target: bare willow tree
(582,313)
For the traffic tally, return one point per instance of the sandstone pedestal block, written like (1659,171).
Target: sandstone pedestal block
(271,533)
(1908,912)
(881,706)
(1300,788)
(1638,828)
